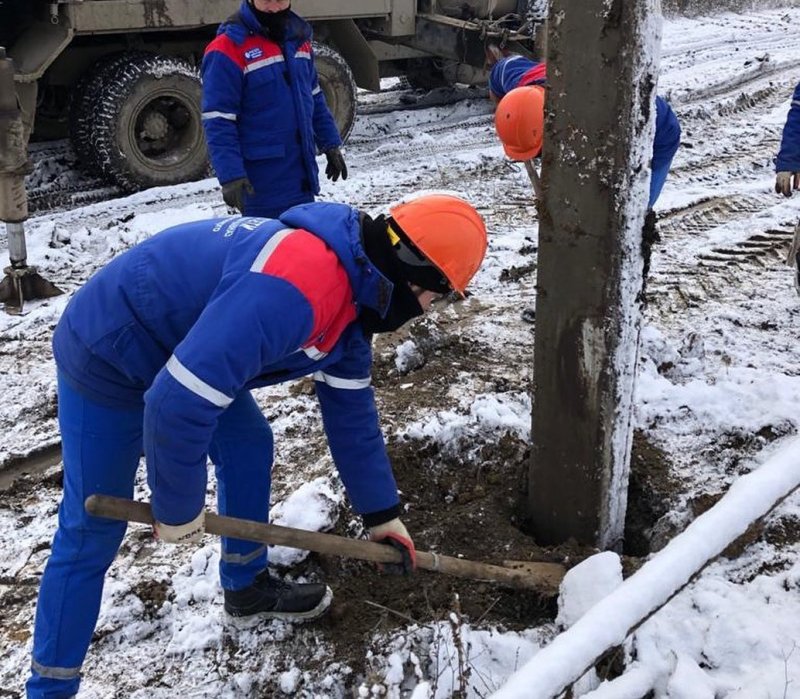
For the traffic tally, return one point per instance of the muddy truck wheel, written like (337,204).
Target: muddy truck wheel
(338,85)
(147,129)
(85,100)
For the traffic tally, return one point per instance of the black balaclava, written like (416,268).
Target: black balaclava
(274,23)
(403,305)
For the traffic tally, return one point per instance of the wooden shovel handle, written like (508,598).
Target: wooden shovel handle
(530,168)
(544,577)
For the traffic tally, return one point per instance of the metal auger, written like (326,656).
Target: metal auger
(21,281)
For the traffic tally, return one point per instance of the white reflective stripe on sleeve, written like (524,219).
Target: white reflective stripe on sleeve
(336,382)
(796,103)
(269,248)
(197,386)
(316,90)
(314,353)
(263,63)
(302,54)
(505,65)
(219,115)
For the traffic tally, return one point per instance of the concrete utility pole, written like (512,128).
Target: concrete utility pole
(602,63)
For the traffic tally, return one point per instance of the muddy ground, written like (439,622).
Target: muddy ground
(469,504)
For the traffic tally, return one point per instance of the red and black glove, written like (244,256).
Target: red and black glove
(393,533)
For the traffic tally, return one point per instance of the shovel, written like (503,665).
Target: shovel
(536,182)
(543,577)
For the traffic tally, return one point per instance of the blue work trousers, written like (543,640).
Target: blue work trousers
(256,205)
(662,161)
(102,447)
(279,184)
(665,145)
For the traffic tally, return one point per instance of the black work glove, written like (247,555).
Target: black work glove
(233,192)
(336,164)
(394,534)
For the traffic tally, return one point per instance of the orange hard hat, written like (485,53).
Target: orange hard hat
(448,232)
(519,121)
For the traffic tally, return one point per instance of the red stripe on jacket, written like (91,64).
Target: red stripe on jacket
(535,76)
(306,262)
(238,52)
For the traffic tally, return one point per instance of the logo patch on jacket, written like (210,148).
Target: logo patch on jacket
(254,53)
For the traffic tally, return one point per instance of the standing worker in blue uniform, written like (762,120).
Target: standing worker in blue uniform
(157,354)
(787,174)
(264,112)
(517,71)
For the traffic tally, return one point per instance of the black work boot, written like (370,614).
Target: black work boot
(273,598)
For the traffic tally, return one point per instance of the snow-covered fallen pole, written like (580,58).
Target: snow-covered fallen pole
(611,620)
(634,684)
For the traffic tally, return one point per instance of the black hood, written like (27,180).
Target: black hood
(403,305)
(273,23)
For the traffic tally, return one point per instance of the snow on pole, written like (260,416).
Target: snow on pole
(634,684)
(609,622)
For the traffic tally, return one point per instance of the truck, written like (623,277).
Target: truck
(120,77)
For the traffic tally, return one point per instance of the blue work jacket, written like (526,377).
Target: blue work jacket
(196,314)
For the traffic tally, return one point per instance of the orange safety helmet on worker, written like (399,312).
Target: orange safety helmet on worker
(519,120)
(438,235)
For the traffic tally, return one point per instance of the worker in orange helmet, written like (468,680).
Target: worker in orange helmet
(158,352)
(519,120)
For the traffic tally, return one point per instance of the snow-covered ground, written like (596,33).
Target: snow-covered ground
(718,393)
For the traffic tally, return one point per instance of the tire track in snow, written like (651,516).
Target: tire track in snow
(730,136)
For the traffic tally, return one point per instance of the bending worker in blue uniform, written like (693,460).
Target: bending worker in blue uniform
(157,354)
(787,173)
(517,71)
(264,113)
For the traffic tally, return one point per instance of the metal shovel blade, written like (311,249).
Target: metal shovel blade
(22,284)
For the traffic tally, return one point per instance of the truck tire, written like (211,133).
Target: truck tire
(338,85)
(147,128)
(84,100)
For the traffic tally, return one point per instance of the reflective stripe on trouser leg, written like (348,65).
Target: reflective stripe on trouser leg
(101,450)
(241,450)
(55,673)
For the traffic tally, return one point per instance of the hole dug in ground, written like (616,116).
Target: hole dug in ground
(468,508)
